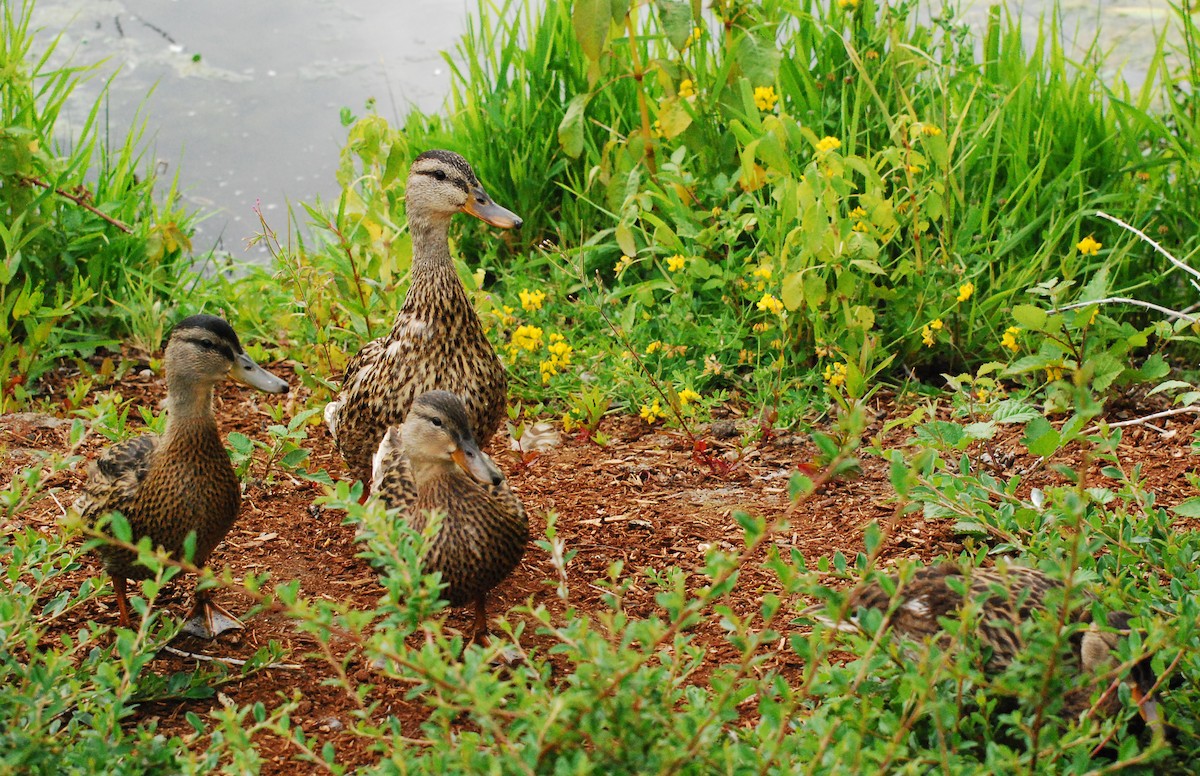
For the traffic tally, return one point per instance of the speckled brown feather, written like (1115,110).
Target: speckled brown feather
(482,536)
(436,341)
(1008,596)
(165,487)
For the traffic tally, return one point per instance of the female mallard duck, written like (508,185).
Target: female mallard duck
(433,463)
(182,482)
(436,340)
(1007,596)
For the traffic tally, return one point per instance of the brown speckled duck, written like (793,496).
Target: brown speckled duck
(1008,595)
(433,462)
(436,341)
(183,481)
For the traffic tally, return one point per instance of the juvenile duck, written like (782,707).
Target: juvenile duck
(433,463)
(436,341)
(1008,596)
(183,481)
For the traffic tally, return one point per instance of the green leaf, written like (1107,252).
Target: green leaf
(1030,317)
(1041,438)
(1188,508)
(570,129)
(676,20)
(1014,411)
(592,19)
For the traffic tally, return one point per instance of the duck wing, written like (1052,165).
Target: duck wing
(115,477)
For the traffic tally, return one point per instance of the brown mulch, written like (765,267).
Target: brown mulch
(644,499)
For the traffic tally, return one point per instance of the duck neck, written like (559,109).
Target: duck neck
(430,473)
(189,407)
(434,279)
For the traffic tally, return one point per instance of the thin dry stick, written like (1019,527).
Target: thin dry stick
(232,661)
(1126,300)
(1193,272)
(78,199)
(1141,421)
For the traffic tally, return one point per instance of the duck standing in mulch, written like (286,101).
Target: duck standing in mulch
(432,463)
(182,482)
(436,340)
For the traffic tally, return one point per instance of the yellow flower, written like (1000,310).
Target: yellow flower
(1009,340)
(1053,373)
(763,272)
(761,327)
(687,396)
(676,262)
(1088,246)
(525,338)
(930,130)
(656,129)
(505,314)
(1092,318)
(858,213)
(835,374)
(927,336)
(851,4)
(913,169)
(765,97)
(770,304)
(776,343)
(872,54)
(716,211)
(687,88)
(653,347)
(532,300)
(827,144)
(936,324)
(745,356)
(651,412)
(695,36)
(623,264)
(965,291)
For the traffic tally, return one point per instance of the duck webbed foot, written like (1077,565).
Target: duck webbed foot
(208,619)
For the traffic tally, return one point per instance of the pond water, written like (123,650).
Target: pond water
(247,95)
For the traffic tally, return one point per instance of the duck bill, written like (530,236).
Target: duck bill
(246,372)
(476,464)
(480,205)
(1148,709)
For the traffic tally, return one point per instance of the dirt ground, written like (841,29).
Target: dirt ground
(643,499)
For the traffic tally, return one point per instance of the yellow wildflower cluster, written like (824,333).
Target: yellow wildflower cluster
(532,300)
(697,33)
(761,326)
(505,315)
(835,374)
(745,356)
(1088,246)
(765,97)
(651,412)
(525,338)
(653,347)
(676,262)
(927,332)
(623,263)
(770,304)
(560,356)
(827,144)
(763,274)
(851,4)
(687,396)
(930,130)
(687,88)
(965,291)
(1009,340)
(859,216)
(1053,373)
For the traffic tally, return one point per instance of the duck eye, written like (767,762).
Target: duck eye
(439,174)
(436,421)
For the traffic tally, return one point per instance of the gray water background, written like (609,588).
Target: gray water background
(245,96)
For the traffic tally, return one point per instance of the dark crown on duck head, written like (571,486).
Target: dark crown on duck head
(450,407)
(212,324)
(449,159)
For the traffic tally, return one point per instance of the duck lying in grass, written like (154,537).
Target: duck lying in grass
(436,341)
(433,463)
(182,482)
(1007,596)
